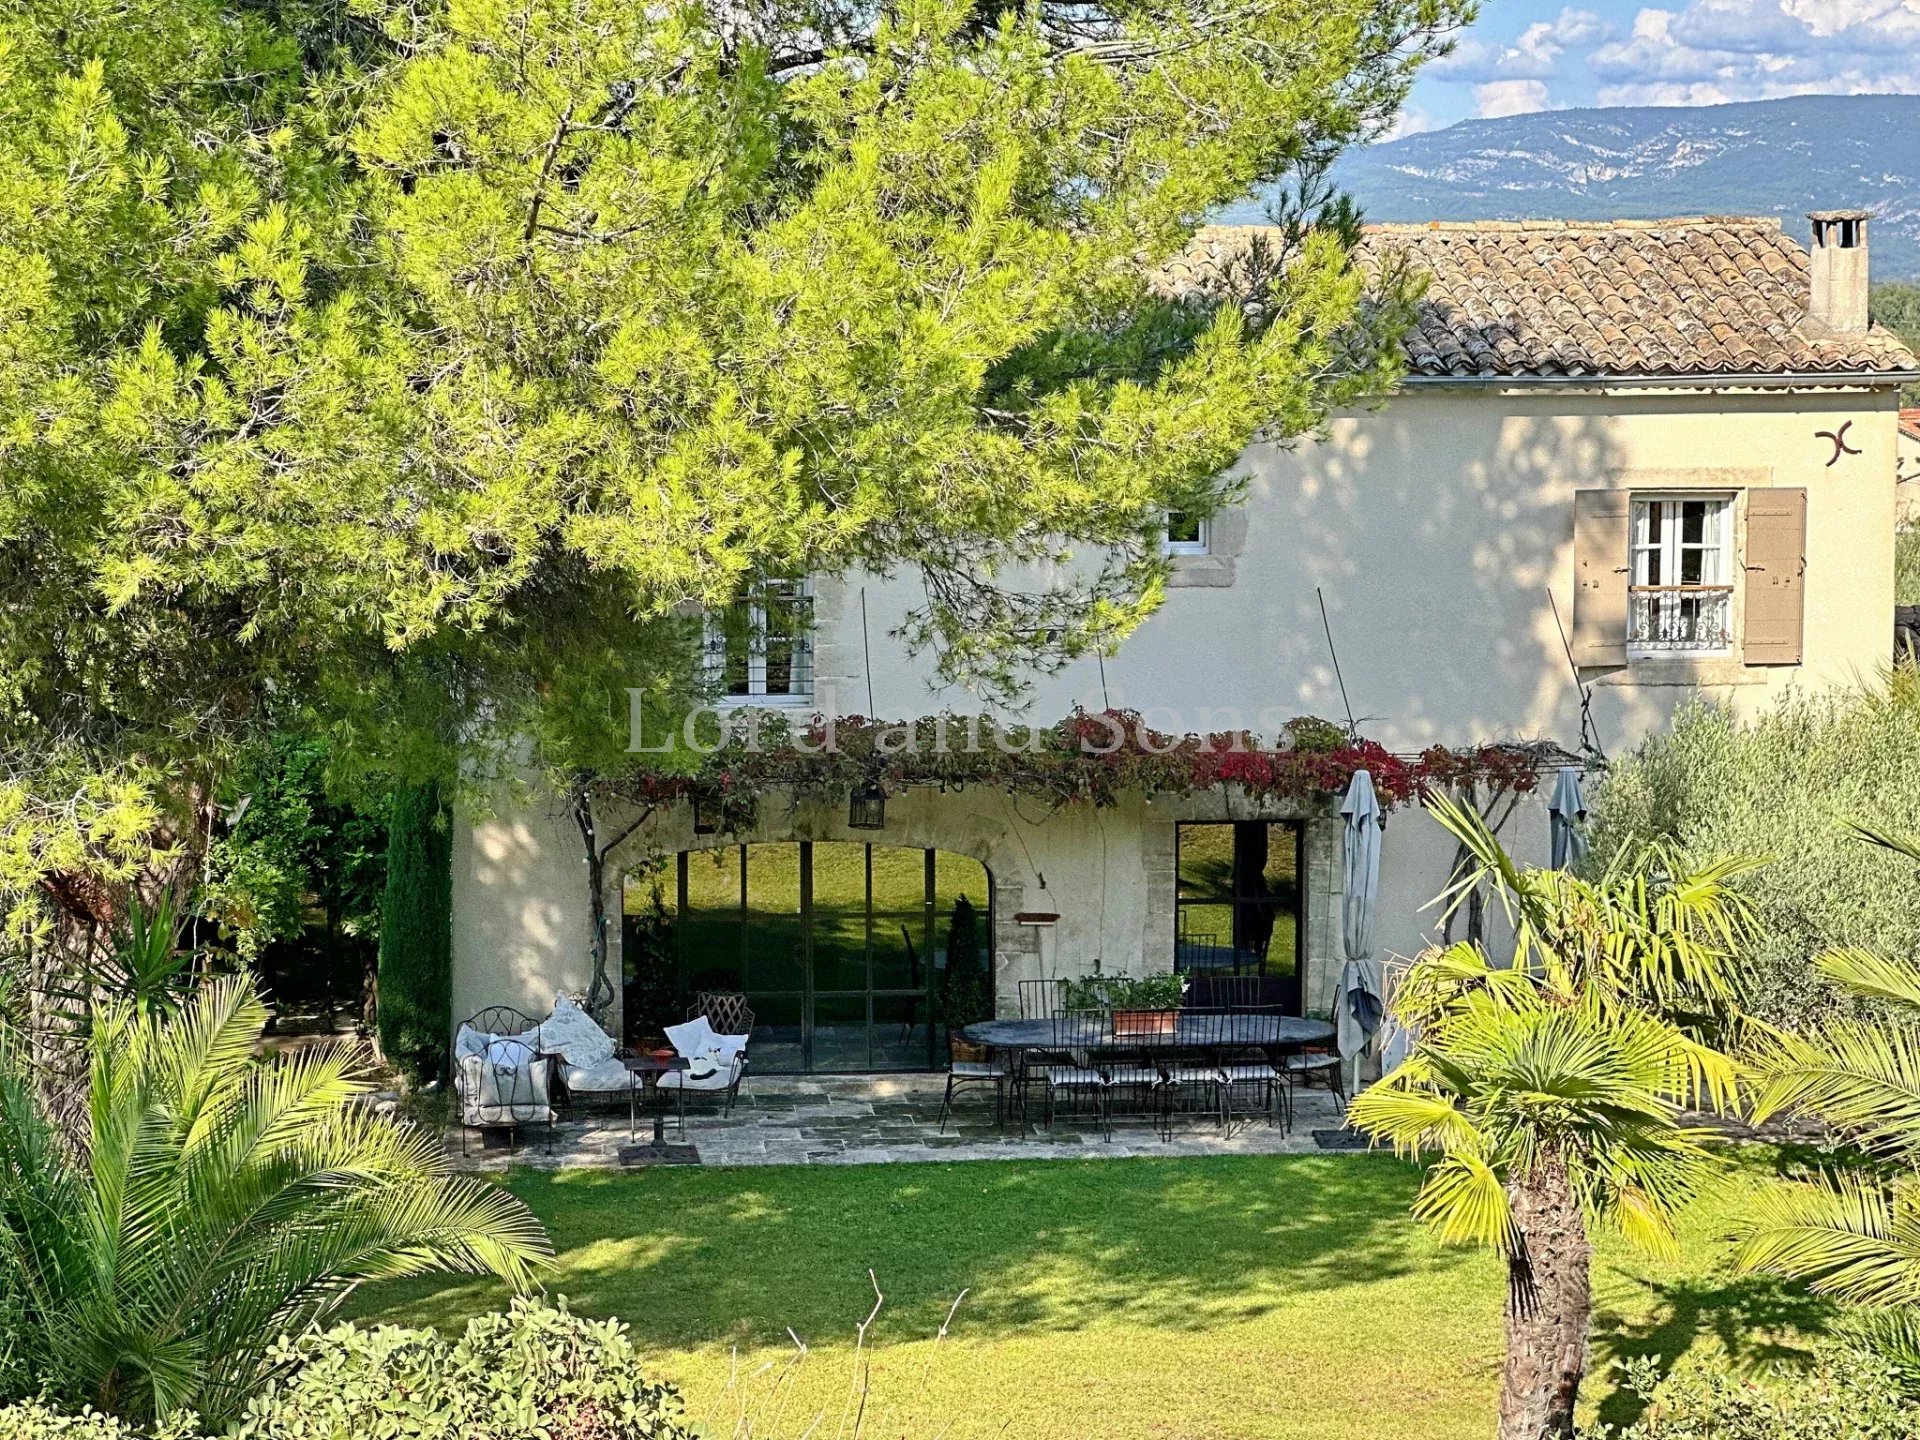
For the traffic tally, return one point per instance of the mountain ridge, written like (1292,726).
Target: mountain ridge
(1763,158)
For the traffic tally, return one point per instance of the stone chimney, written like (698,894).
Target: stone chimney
(1838,299)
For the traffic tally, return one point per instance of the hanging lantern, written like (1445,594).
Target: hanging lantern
(867,807)
(704,820)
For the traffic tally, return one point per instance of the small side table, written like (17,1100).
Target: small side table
(645,1071)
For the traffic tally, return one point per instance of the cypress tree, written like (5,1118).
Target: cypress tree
(415,1004)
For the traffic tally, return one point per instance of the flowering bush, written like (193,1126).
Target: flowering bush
(1087,758)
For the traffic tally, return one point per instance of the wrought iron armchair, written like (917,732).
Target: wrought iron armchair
(728,1013)
(485,1103)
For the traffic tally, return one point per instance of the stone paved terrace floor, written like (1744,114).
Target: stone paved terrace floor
(877,1119)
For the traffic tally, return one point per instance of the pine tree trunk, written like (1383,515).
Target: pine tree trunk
(1549,1309)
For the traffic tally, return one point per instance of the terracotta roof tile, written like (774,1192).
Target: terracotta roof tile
(1693,296)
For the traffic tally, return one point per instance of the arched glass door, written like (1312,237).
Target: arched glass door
(842,948)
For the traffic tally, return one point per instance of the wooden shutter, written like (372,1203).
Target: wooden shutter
(1776,576)
(1600,572)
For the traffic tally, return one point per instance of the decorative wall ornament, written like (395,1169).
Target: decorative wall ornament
(1840,445)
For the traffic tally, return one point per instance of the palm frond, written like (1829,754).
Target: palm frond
(222,1200)
(1862,1077)
(1873,975)
(1466,1203)
(1900,844)
(1845,1235)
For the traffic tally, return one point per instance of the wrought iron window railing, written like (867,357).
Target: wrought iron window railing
(1680,617)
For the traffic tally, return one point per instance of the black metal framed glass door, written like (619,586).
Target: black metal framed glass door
(1239,903)
(841,947)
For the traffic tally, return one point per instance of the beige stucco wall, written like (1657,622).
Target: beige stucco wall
(1435,528)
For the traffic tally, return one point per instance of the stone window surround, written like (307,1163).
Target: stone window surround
(1226,541)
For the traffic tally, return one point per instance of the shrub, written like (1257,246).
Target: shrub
(1124,992)
(1845,1396)
(1906,565)
(36,1422)
(415,1005)
(532,1373)
(1782,786)
(966,995)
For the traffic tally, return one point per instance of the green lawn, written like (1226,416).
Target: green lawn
(1242,1297)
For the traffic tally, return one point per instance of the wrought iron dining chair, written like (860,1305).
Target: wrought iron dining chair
(962,1073)
(1076,1034)
(1195,1072)
(1225,992)
(1247,1062)
(1135,1061)
(1039,1000)
(1303,1065)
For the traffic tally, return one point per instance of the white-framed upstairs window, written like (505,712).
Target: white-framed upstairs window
(760,649)
(1680,591)
(1186,534)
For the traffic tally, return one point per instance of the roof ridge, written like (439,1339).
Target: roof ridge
(1671,222)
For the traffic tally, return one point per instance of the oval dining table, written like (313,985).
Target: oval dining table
(1218,1030)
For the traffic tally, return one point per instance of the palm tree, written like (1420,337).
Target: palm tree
(1853,1232)
(214,1202)
(1552,1090)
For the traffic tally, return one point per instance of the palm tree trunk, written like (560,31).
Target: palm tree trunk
(1549,1308)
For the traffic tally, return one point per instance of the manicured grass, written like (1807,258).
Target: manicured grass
(1242,1297)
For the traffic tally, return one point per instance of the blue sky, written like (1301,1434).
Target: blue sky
(1524,55)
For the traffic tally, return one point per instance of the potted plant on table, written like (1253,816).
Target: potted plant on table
(1141,1005)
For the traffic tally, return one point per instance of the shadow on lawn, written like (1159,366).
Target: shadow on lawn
(695,1257)
(1760,1322)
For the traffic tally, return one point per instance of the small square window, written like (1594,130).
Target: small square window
(1186,534)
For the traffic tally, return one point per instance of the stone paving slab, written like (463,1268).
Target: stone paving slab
(874,1120)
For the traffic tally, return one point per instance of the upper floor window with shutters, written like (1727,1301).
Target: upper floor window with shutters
(1680,594)
(760,649)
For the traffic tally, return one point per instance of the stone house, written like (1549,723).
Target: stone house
(1629,464)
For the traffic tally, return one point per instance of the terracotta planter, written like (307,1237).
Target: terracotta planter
(1145,1022)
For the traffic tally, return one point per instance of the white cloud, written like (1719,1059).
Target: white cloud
(1510,97)
(1410,120)
(1535,55)
(1718,50)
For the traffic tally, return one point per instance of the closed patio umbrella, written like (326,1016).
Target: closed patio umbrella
(1565,814)
(1359,1007)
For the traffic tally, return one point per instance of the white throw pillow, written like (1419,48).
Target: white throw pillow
(570,1032)
(608,1076)
(693,1039)
(508,1052)
(470,1042)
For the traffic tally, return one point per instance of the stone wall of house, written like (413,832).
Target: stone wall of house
(520,905)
